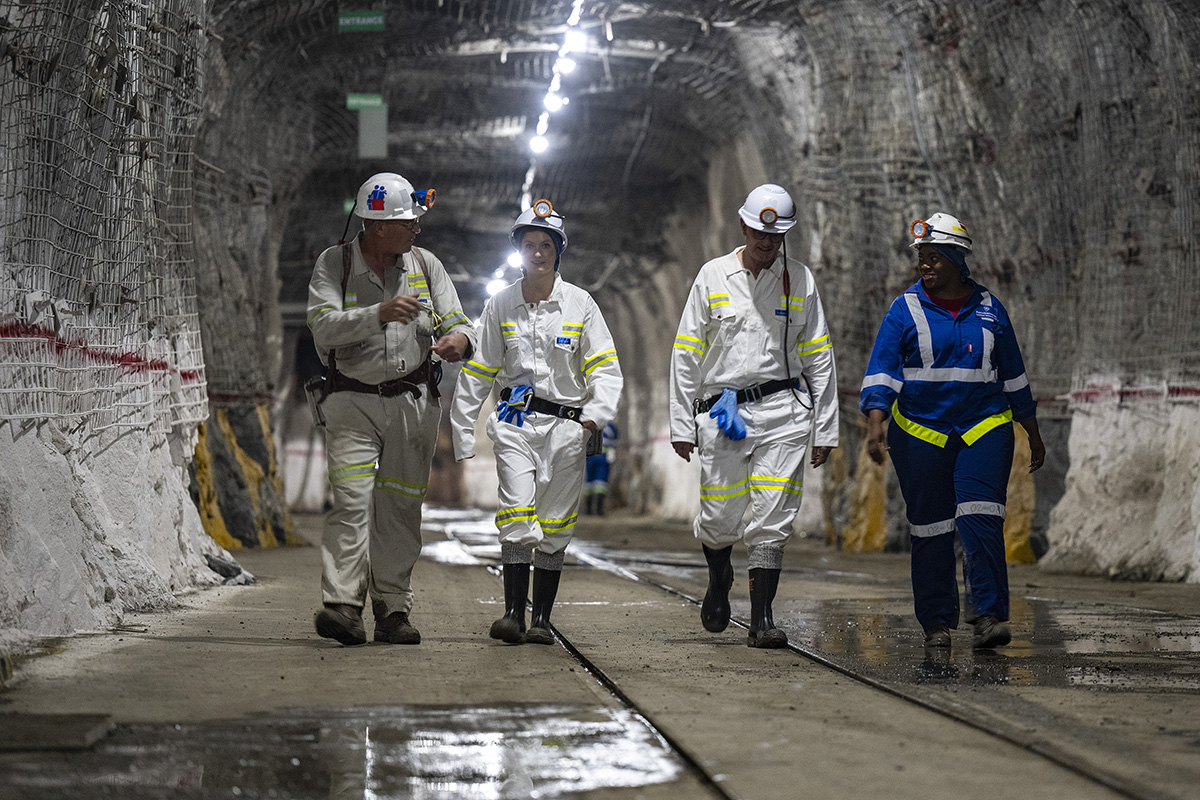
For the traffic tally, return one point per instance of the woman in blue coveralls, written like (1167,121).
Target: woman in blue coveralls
(947,369)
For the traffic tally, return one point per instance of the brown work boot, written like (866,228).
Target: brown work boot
(991,632)
(342,622)
(394,628)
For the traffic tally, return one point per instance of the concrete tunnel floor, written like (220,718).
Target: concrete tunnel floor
(232,694)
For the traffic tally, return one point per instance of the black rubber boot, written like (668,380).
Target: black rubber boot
(714,611)
(511,627)
(763,633)
(599,505)
(545,587)
(589,505)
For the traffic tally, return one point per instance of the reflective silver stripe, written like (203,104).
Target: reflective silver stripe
(883,379)
(960,374)
(1017,383)
(924,337)
(989,509)
(933,529)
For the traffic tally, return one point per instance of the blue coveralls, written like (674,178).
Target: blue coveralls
(952,384)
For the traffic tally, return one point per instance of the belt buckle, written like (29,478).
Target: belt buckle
(754,392)
(697,407)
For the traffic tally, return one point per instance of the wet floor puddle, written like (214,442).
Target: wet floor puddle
(415,753)
(1055,644)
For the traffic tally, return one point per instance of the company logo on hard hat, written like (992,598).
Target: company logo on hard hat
(375,198)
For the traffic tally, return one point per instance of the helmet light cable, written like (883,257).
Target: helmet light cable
(349,217)
(787,318)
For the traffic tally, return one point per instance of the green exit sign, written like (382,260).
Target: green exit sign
(358,21)
(357,102)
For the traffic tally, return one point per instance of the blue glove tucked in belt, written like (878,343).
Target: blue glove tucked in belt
(725,412)
(513,409)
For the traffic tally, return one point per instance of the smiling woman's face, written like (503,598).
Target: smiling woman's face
(937,274)
(537,253)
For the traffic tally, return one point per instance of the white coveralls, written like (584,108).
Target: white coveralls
(731,336)
(379,448)
(562,348)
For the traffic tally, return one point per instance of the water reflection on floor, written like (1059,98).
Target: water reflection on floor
(416,753)
(1055,643)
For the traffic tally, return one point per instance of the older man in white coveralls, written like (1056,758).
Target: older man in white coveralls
(375,306)
(544,342)
(753,385)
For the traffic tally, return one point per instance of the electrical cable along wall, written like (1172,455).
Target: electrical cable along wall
(99,103)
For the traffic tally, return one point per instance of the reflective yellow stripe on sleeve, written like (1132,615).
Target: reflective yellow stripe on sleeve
(814,346)
(979,429)
(919,431)
(689,343)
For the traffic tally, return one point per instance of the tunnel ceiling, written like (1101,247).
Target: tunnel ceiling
(657,85)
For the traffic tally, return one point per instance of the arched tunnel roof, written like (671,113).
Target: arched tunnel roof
(656,86)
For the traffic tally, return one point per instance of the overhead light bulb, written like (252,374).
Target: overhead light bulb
(514,260)
(539,144)
(495,286)
(565,65)
(553,102)
(574,41)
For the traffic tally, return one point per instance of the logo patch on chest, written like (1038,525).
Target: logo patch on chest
(986,314)
(563,340)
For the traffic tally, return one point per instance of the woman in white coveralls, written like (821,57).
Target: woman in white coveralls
(543,341)
(753,387)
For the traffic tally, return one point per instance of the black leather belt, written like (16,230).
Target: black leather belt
(756,392)
(411,383)
(541,406)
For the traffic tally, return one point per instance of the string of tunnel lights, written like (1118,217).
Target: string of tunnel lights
(574,41)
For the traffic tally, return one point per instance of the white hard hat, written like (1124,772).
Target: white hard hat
(540,215)
(387,195)
(769,208)
(941,228)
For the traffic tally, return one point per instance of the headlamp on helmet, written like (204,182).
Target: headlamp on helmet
(941,228)
(769,208)
(424,198)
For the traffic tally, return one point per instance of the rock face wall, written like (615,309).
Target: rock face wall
(1066,144)
(1132,502)
(92,528)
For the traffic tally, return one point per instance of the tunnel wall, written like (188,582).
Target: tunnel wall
(1065,140)
(102,369)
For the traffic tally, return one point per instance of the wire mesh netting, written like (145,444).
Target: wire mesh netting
(99,103)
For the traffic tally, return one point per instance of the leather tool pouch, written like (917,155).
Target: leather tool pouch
(316,390)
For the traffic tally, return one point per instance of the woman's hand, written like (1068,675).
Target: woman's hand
(820,455)
(684,450)
(877,435)
(1037,450)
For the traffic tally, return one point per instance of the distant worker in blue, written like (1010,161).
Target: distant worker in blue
(753,391)
(543,342)
(598,466)
(946,369)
